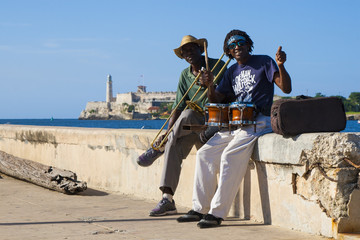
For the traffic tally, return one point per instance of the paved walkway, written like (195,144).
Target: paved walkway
(31,212)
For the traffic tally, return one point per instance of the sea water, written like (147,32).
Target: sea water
(351,125)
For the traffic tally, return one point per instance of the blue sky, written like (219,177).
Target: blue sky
(55,55)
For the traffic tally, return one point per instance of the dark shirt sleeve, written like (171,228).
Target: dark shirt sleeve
(271,68)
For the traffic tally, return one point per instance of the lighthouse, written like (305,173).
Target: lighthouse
(109,92)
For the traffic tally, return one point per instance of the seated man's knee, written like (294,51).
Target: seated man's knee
(187,113)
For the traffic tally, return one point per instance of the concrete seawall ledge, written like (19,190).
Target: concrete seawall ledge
(301,183)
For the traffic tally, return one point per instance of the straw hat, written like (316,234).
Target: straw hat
(190,39)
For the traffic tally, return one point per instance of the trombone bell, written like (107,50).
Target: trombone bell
(195,107)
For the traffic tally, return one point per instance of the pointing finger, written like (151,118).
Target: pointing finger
(279,49)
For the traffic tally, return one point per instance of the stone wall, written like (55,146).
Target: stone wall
(302,183)
(309,172)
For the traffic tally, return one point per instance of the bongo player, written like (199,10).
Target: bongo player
(227,153)
(180,141)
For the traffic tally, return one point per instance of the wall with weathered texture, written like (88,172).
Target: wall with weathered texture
(305,183)
(302,183)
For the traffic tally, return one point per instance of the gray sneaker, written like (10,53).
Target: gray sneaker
(148,157)
(164,207)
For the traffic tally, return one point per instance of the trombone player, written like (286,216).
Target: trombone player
(180,141)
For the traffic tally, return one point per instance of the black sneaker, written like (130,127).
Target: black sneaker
(164,207)
(209,221)
(191,216)
(148,157)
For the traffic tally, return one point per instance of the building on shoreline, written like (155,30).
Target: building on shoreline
(132,105)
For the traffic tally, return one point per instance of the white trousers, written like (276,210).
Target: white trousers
(227,154)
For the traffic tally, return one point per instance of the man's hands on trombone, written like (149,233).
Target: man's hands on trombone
(206,79)
(160,139)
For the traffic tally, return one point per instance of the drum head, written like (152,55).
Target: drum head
(241,104)
(218,105)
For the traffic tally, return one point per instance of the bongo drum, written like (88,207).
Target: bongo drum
(216,114)
(241,113)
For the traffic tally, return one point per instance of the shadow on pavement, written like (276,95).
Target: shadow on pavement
(92,192)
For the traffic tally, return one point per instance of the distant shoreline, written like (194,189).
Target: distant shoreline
(353,116)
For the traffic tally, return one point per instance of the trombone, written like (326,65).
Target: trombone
(190,103)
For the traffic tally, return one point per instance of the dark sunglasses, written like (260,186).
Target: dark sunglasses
(239,43)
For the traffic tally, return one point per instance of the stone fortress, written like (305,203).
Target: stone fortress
(116,108)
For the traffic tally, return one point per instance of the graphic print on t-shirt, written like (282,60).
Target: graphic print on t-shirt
(243,85)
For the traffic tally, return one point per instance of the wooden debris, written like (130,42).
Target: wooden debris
(46,176)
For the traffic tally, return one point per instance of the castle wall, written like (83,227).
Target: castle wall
(117,110)
(158,96)
(137,98)
(114,111)
(95,105)
(124,98)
